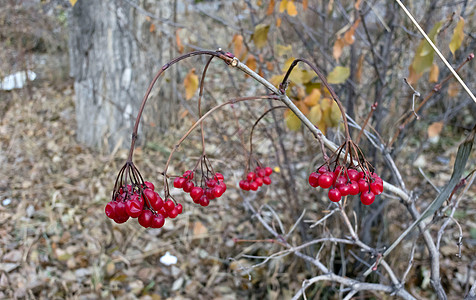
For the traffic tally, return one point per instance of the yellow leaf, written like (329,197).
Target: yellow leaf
(360,64)
(283,50)
(191,84)
(283,5)
(307,76)
(338,75)
(73,2)
(251,62)
(277,169)
(292,121)
(178,41)
(278,22)
(458,36)
(337,49)
(260,36)
(239,49)
(276,79)
(424,54)
(453,89)
(270,9)
(291,9)
(304,4)
(434,72)
(434,129)
(302,107)
(315,115)
(313,98)
(349,37)
(335,114)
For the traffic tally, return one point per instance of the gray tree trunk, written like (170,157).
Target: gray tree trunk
(113,57)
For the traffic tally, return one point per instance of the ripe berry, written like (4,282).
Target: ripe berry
(145,218)
(169,205)
(173,213)
(219,176)
(261,173)
(121,219)
(325,180)
(120,209)
(344,189)
(204,201)
(110,209)
(314,179)
(363,185)
(337,171)
(134,208)
(150,185)
(157,221)
(196,193)
(254,186)
(157,203)
(244,185)
(178,182)
(151,195)
(259,181)
(188,186)
(267,180)
(188,174)
(354,188)
(251,176)
(376,187)
(353,174)
(210,194)
(268,171)
(179,208)
(367,198)
(211,183)
(323,170)
(341,180)
(334,195)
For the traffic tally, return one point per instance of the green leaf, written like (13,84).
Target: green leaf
(260,36)
(458,36)
(338,75)
(292,121)
(424,54)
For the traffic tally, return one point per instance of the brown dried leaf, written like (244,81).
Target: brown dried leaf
(337,49)
(435,129)
(434,72)
(270,9)
(191,84)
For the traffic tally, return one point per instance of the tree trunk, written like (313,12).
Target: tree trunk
(114,53)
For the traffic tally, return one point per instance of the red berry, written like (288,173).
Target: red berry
(179,208)
(353,174)
(363,185)
(344,189)
(173,213)
(150,185)
(251,176)
(334,195)
(323,170)
(110,209)
(268,171)
(163,212)
(210,194)
(188,174)
(337,171)
(134,208)
(325,181)
(376,187)
(314,179)
(244,185)
(361,175)
(145,218)
(157,203)
(267,180)
(188,186)
(120,209)
(219,176)
(341,180)
(178,182)
(367,198)
(261,173)
(204,201)
(121,219)
(254,186)
(169,205)
(218,191)
(259,181)
(196,193)
(150,195)
(354,188)
(157,221)
(211,183)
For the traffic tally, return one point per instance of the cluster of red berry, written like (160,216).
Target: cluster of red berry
(211,189)
(256,179)
(142,203)
(347,182)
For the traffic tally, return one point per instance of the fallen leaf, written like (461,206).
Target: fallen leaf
(199,229)
(458,36)
(191,84)
(435,129)
(338,75)
(260,35)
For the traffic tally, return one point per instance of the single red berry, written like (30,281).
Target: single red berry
(353,174)
(134,208)
(145,218)
(196,193)
(254,186)
(341,180)
(211,183)
(267,180)
(361,175)
(367,198)
(338,170)
(150,185)
(223,187)
(204,201)
(121,219)
(323,169)
(251,176)
(259,181)
(188,174)
(163,212)
(219,176)
(218,191)
(261,173)
(157,221)
(244,185)
(178,182)
(314,179)
(334,195)
(325,181)
(120,209)
(354,188)
(268,171)
(150,195)
(179,208)
(169,205)
(173,213)
(210,194)
(157,203)
(376,187)
(110,209)
(188,186)
(344,189)
(363,185)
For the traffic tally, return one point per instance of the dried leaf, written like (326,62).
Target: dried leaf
(269,66)
(291,9)
(270,9)
(357,4)
(302,107)
(434,72)
(349,36)
(292,121)
(278,22)
(337,49)
(178,41)
(152,27)
(251,62)
(453,89)
(413,76)
(424,54)
(260,35)
(283,5)
(304,4)
(435,129)
(283,50)
(338,75)
(315,114)
(458,36)
(313,98)
(238,47)
(73,2)
(199,229)
(358,72)
(191,84)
